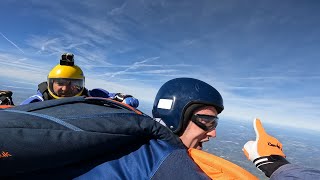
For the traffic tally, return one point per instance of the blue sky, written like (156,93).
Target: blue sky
(263,56)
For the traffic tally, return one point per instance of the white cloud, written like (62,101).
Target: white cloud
(17,68)
(118,10)
(142,91)
(282,112)
(233,54)
(16,46)
(134,66)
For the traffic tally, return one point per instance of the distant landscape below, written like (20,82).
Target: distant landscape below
(302,147)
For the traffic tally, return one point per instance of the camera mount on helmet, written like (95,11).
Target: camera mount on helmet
(67,59)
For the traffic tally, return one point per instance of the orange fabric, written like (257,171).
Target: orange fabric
(219,168)
(5,106)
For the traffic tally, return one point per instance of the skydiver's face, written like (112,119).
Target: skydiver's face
(194,136)
(63,88)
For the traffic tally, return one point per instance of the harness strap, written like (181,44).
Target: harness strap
(43,88)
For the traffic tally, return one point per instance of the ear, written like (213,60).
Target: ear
(186,116)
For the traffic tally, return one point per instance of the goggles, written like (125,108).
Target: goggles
(205,122)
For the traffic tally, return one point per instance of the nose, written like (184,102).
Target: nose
(63,88)
(212,133)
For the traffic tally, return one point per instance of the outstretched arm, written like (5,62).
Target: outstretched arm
(124,98)
(266,151)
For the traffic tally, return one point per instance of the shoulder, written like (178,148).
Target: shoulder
(35,98)
(154,160)
(177,164)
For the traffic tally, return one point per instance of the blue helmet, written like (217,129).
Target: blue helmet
(178,98)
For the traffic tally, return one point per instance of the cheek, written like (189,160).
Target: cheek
(196,131)
(203,135)
(56,88)
(199,134)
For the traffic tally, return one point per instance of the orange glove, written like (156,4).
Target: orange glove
(265,152)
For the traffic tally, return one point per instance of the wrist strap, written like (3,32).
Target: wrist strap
(269,164)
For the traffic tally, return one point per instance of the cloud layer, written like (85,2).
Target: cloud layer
(261,55)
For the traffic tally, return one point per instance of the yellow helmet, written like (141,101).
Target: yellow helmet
(66,79)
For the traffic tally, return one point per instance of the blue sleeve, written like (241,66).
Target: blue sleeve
(133,102)
(291,171)
(155,160)
(179,165)
(35,98)
(112,95)
(98,92)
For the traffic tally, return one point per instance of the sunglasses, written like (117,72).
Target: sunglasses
(205,122)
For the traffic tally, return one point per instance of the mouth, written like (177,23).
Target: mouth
(64,94)
(199,146)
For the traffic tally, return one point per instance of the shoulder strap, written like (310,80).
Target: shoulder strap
(43,88)
(85,92)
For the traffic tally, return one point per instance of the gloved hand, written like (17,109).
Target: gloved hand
(133,102)
(5,97)
(265,152)
(128,99)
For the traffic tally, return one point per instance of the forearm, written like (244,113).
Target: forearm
(291,171)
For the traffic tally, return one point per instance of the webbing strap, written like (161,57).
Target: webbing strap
(56,120)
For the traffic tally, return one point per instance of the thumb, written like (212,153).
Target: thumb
(258,128)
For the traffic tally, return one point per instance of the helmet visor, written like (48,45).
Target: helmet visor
(64,87)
